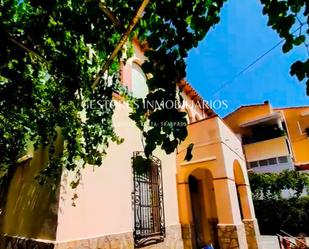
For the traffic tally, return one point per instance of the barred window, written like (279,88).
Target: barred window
(149,224)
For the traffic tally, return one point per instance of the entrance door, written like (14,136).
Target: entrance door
(197,211)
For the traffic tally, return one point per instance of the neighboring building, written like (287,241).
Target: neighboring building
(175,205)
(274,139)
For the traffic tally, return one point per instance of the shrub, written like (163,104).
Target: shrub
(275,213)
(289,215)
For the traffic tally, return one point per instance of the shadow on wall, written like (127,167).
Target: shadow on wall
(29,209)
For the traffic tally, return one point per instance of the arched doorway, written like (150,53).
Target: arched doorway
(196,196)
(246,206)
(203,209)
(243,191)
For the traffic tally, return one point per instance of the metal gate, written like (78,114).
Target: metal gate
(149,223)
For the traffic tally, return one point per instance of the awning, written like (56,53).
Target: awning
(263,119)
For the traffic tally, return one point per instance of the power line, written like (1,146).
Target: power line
(251,64)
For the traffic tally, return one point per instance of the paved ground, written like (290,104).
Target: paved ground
(269,242)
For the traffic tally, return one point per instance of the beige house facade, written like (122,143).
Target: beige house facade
(274,139)
(176,204)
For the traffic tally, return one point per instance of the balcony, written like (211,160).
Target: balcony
(267,149)
(260,134)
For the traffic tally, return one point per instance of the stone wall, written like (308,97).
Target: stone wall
(187,231)
(173,240)
(115,241)
(9,242)
(232,236)
(252,234)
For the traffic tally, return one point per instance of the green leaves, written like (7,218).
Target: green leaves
(50,52)
(270,185)
(43,96)
(299,40)
(300,69)
(289,18)
(289,215)
(174,27)
(141,165)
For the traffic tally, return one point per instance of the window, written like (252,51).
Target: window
(269,161)
(272,161)
(263,162)
(139,85)
(283,159)
(149,224)
(253,164)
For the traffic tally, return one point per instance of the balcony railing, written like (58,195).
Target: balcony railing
(263,135)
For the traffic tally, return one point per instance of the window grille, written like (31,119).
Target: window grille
(149,224)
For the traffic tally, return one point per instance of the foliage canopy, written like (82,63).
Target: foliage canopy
(271,185)
(290,19)
(52,51)
(273,211)
(50,54)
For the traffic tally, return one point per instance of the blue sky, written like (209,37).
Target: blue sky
(240,38)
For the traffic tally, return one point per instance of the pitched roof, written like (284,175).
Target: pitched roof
(195,96)
(266,103)
(245,106)
(291,107)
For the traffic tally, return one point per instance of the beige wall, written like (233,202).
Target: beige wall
(232,148)
(216,149)
(104,198)
(213,140)
(30,210)
(297,120)
(104,203)
(267,149)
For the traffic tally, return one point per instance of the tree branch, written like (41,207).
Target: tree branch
(122,41)
(111,16)
(28,49)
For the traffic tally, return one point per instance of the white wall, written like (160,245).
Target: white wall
(104,203)
(104,199)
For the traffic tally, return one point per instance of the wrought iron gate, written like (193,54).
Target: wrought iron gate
(149,224)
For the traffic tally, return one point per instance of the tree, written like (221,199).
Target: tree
(271,185)
(275,213)
(58,56)
(290,19)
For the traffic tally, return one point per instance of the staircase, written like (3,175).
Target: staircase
(287,241)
